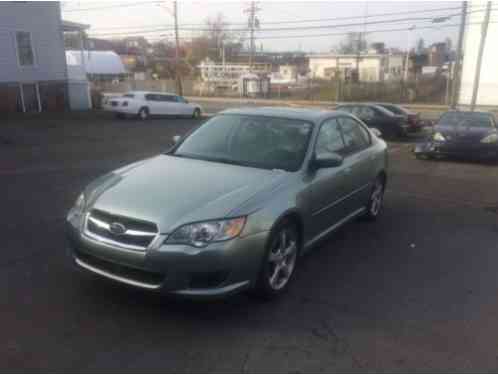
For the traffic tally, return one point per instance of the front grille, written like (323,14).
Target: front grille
(137,234)
(130,273)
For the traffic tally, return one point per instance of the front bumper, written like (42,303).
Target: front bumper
(219,269)
(472,150)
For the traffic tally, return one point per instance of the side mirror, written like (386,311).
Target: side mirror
(176,139)
(376,132)
(330,160)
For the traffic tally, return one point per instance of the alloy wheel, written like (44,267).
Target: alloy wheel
(282,259)
(377,198)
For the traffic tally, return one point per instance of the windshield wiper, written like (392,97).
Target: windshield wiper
(216,160)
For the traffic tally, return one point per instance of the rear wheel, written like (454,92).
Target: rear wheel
(143,113)
(376,200)
(280,261)
(197,113)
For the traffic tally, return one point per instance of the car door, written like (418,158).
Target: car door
(152,101)
(167,104)
(328,185)
(183,107)
(359,162)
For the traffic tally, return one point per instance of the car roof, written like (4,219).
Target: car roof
(306,114)
(372,105)
(150,92)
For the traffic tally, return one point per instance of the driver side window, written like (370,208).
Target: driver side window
(329,140)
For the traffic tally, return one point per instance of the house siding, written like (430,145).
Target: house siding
(43,20)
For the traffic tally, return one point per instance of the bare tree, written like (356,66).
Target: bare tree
(353,43)
(219,36)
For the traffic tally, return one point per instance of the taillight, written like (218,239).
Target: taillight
(125,104)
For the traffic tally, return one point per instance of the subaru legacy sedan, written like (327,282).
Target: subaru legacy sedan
(232,205)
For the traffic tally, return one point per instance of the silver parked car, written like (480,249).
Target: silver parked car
(232,205)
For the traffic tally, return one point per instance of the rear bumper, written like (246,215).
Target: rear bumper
(218,270)
(119,109)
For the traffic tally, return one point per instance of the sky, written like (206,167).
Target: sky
(153,19)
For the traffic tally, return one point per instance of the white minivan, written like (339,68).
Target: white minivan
(147,103)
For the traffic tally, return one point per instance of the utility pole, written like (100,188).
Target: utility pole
(358,52)
(482,43)
(457,68)
(178,79)
(253,23)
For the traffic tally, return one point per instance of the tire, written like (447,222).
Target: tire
(280,261)
(143,113)
(197,113)
(376,200)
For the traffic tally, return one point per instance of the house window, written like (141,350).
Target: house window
(24,48)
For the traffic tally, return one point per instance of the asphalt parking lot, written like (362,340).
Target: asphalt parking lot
(415,291)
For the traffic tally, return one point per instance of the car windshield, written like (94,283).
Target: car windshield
(474,119)
(254,141)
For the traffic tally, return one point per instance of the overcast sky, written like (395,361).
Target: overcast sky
(115,18)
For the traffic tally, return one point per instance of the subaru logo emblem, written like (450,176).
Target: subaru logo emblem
(117,228)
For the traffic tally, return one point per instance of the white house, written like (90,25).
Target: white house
(32,63)
(488,83)
(372,67)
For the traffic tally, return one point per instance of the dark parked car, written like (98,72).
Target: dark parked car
(390,124)
(462,133)
(413,119)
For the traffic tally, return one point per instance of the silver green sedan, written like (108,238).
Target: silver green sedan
(232,205)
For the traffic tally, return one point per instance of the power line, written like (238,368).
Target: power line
(364,24)
(401,20)
(300,21)
(368,32)
(170,28)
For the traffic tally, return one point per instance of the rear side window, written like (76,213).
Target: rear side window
(356,138)
(329,140)
(167,98)
(151,97)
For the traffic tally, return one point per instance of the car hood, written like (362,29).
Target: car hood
(171,191)
(463,132)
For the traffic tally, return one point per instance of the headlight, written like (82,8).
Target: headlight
(201,234)
(438,137)
(492,138)
(77,210)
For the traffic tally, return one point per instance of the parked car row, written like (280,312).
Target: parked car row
(144,104)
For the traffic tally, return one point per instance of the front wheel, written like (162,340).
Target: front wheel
(143,114)
(376,199)
(280,261)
